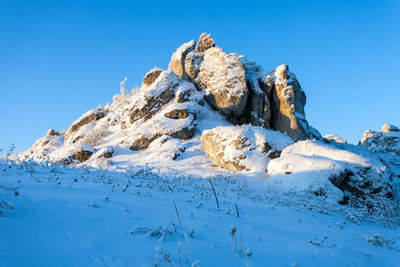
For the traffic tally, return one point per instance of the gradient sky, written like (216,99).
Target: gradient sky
(59,59)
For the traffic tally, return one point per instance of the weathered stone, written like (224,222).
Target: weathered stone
(243,147)
(222,77)
(77,157)
(205,42)
(386,140)
(335,138)
(177,114)
(258,107)
(151,76)
(88,117)
(288,101)
(192,64)
(177,63)
(151,99)
(52,132)
(143,141)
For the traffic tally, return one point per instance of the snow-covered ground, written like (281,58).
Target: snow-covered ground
(60,216)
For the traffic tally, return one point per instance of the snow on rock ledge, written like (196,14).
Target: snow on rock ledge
(243,147)
(328,171)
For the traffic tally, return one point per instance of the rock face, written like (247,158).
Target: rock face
(258,108)
(288,101)
(192,64)
(177,63)
(151,76)
(385,140)
(152,98)
(243,148)
(242,90)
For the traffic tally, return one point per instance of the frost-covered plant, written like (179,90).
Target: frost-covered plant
(376,239)
(94,137)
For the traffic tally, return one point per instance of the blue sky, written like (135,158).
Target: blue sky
(59,59)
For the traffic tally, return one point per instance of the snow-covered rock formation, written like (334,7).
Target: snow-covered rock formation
(243,148)
(217,108)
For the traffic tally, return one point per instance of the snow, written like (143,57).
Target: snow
(78,217)
(177,55)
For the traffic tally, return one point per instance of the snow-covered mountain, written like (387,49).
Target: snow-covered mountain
(215,114)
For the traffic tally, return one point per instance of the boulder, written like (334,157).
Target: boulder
(335,138)
(52,132)
(205,42)
(288,101)
(243,147)
(151,76)
(384,141)
(177,63)
(75,153)
(330,171)
(88,117)
(177,114)
(222,76)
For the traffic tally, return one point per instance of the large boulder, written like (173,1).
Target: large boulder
(385,140)
(223,78)
(288,101)
(243,147)
(177,63)
(330,171)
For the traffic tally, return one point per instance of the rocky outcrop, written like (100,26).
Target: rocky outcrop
(88,117)
(150,99)
(243,148)
(242,90)
(205,42)
(335,138)
(385,140)
(287,102)
(258,108)
(151,76)
(177,63)
(52,132)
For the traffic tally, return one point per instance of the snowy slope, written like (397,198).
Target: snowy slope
(77,217)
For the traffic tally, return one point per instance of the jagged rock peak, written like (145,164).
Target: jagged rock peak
(205,42)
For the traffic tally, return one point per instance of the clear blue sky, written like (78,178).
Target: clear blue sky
(59,59)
